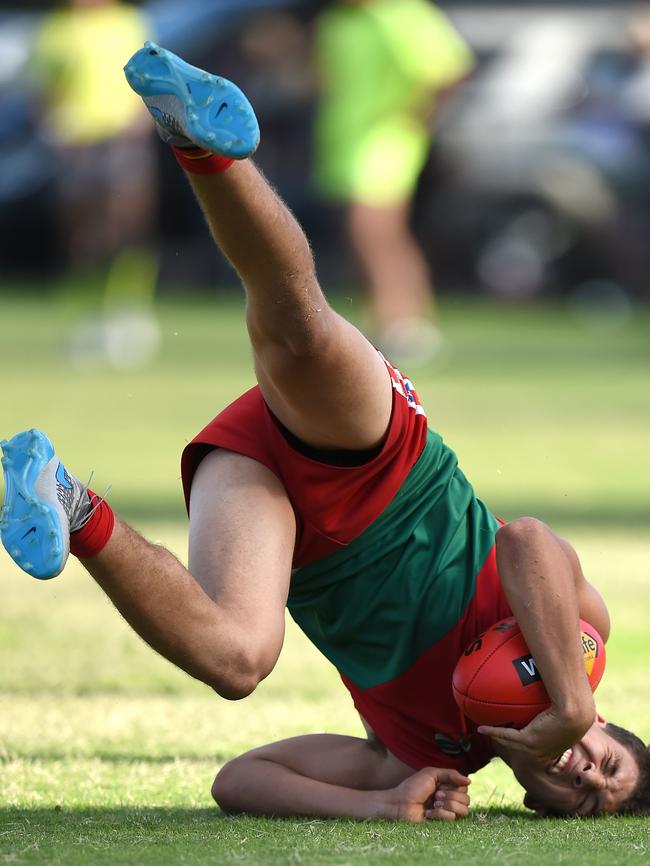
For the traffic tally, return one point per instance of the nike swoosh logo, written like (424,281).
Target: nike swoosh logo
(62,477)
(29,532)
(221,108)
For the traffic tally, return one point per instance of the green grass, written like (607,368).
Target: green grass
(107,752)
(188,836)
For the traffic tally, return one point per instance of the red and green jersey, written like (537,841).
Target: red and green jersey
(333,504)
(394,573)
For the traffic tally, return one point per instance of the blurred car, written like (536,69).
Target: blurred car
(28,165)
(543,180)
(540,181)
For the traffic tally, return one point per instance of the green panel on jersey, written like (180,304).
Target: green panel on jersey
(374,606)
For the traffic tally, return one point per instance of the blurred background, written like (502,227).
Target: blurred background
(475,182)
(536,181)
(492,158)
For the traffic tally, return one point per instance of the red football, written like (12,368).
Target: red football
(496,681)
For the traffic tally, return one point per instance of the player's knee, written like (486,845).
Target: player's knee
(243,674)
(301,335)
(238,683)
(311,338)
(235,687)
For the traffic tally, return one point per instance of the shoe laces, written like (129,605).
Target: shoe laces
(81,510)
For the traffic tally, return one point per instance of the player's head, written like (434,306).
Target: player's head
(608,770)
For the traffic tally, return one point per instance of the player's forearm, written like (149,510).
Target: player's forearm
(590,603)
(538,582)
(263,787)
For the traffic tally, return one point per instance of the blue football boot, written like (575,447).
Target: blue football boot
(43,505)
(193,108)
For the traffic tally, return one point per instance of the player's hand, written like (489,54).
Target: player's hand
(431,793)
(545,738)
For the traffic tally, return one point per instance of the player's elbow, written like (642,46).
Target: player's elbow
(220,790)
(521,532)
(227,786)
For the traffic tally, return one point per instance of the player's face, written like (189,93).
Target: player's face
(597,775)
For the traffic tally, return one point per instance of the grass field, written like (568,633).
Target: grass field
(107,752)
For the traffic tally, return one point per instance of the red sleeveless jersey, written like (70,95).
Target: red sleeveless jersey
(415,715)
(395,646)
(332,504)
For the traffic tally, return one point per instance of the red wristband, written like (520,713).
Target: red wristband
(195,160)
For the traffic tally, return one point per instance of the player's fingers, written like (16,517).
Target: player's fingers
(461,789)
(452,777)
(502,735)
(452,800)
(437,814)
(448,810)
(515,745)
(491,731)
(453,797)
(460,810)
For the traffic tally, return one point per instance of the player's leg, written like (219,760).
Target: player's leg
(226,626)
(319,375)
(223,623)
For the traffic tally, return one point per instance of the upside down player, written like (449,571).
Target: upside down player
(322,489)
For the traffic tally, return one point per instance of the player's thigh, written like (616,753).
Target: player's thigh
(336,394)
(241,541)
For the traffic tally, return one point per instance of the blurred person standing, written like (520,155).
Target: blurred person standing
(383,66)
(99,133)
(636,92)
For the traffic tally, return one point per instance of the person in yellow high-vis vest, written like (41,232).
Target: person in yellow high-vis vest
(383,65)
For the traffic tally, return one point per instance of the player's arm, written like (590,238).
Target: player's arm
(591,604)
(538,579)
(333,776)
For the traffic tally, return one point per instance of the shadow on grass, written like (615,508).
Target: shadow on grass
(11,817)
(122,819)
(115,758)
(113,814)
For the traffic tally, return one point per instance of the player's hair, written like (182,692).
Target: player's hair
(638,803)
